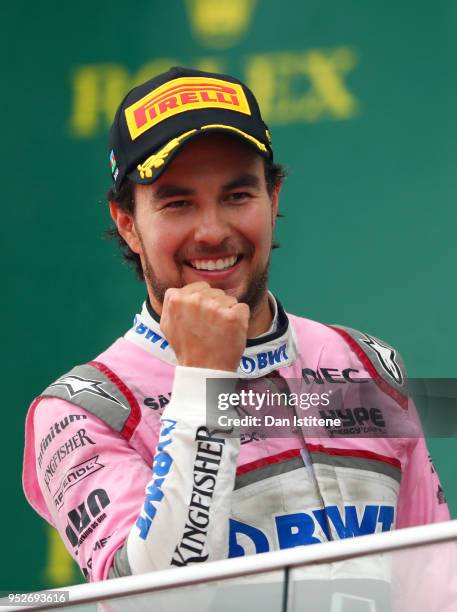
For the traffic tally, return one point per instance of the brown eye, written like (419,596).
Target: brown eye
(238,196)
(177,204)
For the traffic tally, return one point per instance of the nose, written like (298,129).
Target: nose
(212,228)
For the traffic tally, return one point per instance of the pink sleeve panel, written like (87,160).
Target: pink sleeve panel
(421,499)
(83,478)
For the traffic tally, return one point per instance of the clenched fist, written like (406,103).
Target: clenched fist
(205,327)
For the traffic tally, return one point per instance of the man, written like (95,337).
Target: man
(135,481)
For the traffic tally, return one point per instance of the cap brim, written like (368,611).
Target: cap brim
(155,165)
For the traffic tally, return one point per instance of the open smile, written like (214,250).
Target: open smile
(215,267)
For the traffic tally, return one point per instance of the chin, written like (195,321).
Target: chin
(233,291)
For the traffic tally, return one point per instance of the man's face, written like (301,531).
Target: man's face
(209,217)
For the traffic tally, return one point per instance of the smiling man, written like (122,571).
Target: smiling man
(182,238)
(119,454)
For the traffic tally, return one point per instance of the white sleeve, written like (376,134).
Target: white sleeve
(185,515)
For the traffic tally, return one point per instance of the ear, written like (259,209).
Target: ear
(125,224)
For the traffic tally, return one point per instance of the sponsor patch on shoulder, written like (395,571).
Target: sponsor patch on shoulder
(383,358)
(98,390)
(386,356)
(76,384)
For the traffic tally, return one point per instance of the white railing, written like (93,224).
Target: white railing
(327,552)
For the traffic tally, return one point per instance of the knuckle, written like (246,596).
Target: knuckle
(214,294)
(198,286)
(231,315)
(213,305)
(191,299)
(170,294)
(198,301)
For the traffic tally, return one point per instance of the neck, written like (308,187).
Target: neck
(259,322)
(261,318)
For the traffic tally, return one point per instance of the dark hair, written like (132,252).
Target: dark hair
(124,198)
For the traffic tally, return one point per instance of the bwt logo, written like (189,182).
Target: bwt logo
(180,95)
(313,527)
(248,365)
(149,334)
(160,468)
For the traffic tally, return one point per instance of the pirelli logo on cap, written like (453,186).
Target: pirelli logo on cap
(181,95)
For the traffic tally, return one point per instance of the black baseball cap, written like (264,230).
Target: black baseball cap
(156,119)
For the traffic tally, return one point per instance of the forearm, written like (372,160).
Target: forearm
(184,517)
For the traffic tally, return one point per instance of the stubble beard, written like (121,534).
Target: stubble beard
(253,295)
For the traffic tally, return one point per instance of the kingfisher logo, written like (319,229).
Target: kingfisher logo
(249,365)
(192,548)
(181,95)
(313,527)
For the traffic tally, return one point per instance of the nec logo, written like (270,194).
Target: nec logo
(332,375)
(248,365)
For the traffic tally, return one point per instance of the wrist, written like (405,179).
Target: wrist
(209,364)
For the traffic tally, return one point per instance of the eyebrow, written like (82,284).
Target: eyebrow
(170,190)
(245,180)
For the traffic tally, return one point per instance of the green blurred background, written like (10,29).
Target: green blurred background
(360,99)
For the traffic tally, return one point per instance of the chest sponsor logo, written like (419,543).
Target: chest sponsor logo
(84,520)
(356,420)
(55,430)
(332,376)
(73,476)
(78,440)
(74,385)
(181,95)
(207,462)
(386,356)
(248,365)
(313,527)
(161,466)
(247,438)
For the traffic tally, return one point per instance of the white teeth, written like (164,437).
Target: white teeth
(211,264)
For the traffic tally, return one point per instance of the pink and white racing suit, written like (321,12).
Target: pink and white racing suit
(120,460)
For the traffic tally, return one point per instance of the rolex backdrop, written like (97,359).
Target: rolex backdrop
(360,100)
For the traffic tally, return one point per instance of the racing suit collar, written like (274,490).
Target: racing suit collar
(275,349)
(280,322)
